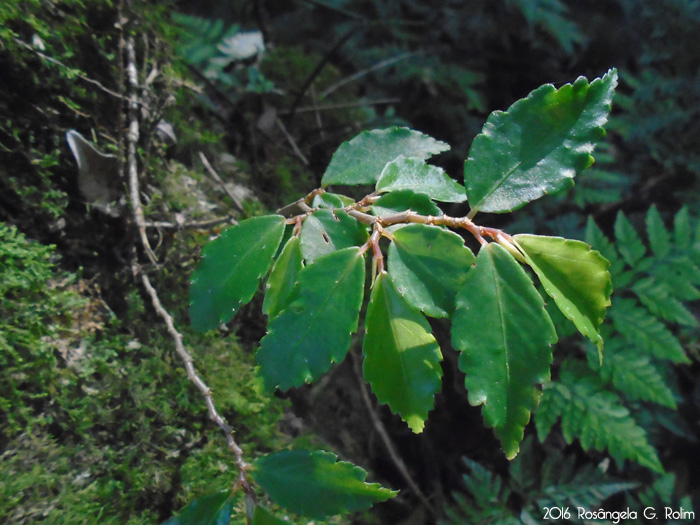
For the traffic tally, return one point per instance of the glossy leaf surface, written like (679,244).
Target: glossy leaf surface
(428,265)
(402,358)
(212,509)
(314,330)
(538,145)
(362,159)
(231,269)
(402,200)
(316,484)
(415,175)
(575,276)
(504,335)
(326,231)
(282,278)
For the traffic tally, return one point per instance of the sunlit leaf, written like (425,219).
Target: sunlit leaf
(428,265)
(415,175)
(504,335)
(362,159)
(326,231)
(402,358)
(314,330)
(538,145)
(575,276)
(316,484)
(231,269)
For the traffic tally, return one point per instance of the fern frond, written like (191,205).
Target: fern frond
(657,232)
(635,376)
(628,241)
(597,416)
(658,298)
(645,332)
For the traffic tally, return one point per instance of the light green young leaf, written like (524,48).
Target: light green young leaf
(362,159)
(231,269)
(316,484)
(538,145)
(326,231)
(314,330)
(212,509)
(402,200)
(282,278)
(575,276)
(503,363)
(415,175)
(402,358)
(428,265)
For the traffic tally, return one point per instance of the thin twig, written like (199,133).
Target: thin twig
(192,375)
(342,105)
(379,65)
(190,225)
(132,138)
(215,176)
(317,70)
(384,435)
(292,142)
(71,69)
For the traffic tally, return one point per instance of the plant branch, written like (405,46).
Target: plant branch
(384,436)
(221,183)
(76,72)
(192,375)
(132,138)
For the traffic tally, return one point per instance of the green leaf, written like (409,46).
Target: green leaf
(428,265)
(658,234)
(647,333)
(681,228)
(635,375)
(314,330)
(630,245)
(263,516)
(504,333)
(575,276)
(326,231)
(231,269)
(596,416)
(657,298)
(316,484)
(362,159)
(402,200)
(212,509)
(327,200)
(282,278)
(538,145)
(414,174)
(402,358)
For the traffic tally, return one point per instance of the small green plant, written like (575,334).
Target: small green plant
(315,252)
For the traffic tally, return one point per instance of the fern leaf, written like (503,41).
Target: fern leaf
(630,245)
(657,232)
(641,329)
(658,299)
(598,241)
(681,229)
(635,376)
(598,417)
